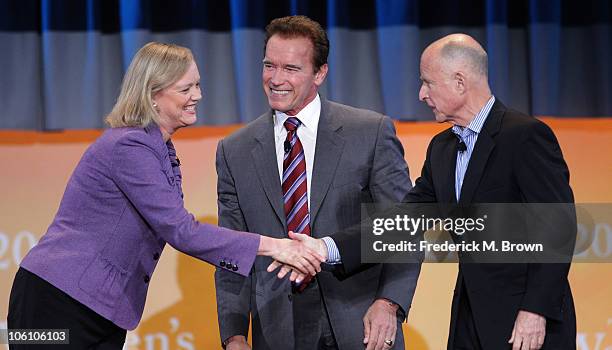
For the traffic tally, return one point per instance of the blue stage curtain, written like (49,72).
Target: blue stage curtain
(62,60)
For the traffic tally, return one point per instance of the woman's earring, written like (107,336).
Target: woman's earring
(154,105)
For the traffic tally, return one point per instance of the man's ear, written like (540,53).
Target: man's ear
(460,82)
(321,74)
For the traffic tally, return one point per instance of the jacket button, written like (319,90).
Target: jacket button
(234,267)
(156,256)
(146,278)
(290,297)
(222,263)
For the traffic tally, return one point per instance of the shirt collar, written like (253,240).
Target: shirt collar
(476,124)
(308,116)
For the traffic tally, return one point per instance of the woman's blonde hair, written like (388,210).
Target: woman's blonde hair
(154,67)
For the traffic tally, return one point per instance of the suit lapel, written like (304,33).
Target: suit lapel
(328,150)
(482,150)
(443,168)
(264,157)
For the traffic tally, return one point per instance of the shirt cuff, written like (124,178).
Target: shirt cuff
(333,255)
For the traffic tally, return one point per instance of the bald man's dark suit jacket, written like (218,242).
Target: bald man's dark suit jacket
(516,159)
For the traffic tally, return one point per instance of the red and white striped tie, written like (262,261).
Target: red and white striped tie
(295,189)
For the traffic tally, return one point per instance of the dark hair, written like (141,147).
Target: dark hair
(301,26)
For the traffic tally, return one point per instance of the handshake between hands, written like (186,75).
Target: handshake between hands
(301,256)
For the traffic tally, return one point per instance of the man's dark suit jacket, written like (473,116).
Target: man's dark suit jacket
(516,159)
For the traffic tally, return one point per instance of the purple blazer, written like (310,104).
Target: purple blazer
(121,206)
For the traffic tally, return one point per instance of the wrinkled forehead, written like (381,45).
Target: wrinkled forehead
(290,40)
(434,63)
(428,61)
(431,52)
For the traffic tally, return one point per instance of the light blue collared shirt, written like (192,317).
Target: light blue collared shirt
(468,135)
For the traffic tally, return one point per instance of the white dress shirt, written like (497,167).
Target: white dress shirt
(307,132)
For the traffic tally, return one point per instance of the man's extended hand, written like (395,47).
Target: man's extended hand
(380,325)
(292,253)
(528,332)
(314,244)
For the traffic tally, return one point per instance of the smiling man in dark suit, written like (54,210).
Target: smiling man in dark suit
(306,166)
(491,154)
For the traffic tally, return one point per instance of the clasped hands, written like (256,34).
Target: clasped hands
(302,247)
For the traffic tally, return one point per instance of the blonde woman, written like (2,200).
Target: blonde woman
(123,203)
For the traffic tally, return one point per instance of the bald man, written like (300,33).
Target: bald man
(491,154)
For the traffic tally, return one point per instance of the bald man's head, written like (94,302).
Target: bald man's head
(460,51)
(454,75)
